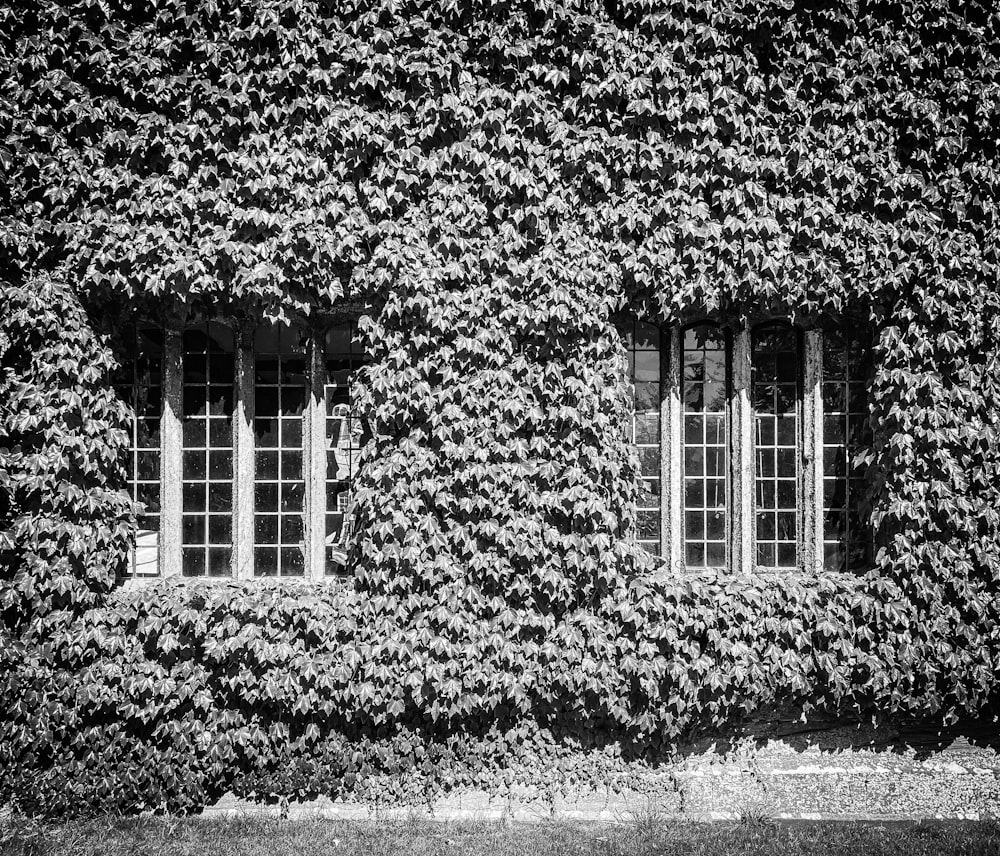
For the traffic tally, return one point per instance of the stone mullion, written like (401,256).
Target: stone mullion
(314,459)
(811,532)
(243,454)
(742,466)
(171,451)
(670,451)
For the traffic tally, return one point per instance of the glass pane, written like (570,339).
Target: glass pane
(291,529)
(149,495)
(266,402)
(649,493)
(647,428)
(642,342)
(344,357)
(280,394)
(647,337)
(194,433)
(220,529)
(266,497)
(265,561)
(775,368)
(220,433)
(265,529)
(208,370)
(148,465)
(847,540)
(266,433)
(267,466)
(219,561)
(193,561)
(193,496)
(220,497)
(291,465)
(194,465)
(193,529)
(292,562)
(291,497)
(338,339)
(220,465)
(647,365)
(648,523)
(705,384)
(647,396)
(649,461)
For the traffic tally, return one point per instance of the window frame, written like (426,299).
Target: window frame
(314,449)
(740,419)
(741,512)
(727,341)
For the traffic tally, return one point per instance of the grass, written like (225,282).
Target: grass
(257,836)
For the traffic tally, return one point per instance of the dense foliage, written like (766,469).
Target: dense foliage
(499,180)
(65,524)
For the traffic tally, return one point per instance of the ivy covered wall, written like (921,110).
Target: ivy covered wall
(497,181)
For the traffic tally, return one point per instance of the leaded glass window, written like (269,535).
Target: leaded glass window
(207,465)
(705,461)
(279,402)
(846,541)
(643,345)
(775,371)
(139,383)
(344,437)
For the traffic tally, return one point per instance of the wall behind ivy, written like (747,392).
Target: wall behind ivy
(497,182)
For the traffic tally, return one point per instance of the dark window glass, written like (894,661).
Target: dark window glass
(279,402)
(705,380)
(775,394)
(344,438)
(642,342)
(207,459)
(847,543)
(139,384)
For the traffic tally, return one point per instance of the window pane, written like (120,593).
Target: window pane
(775,394)
(208,448)
(847,544)
(138,382)
(279,401)
(642,342)
(344,438)
(705,388)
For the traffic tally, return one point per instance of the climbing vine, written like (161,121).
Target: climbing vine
(498,182)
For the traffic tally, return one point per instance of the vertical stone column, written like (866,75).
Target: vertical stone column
(671,428)
(742,467)
(314,458)
(811,537)
(171,448)
(243,452)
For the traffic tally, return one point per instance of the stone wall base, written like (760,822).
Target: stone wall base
(843,772)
